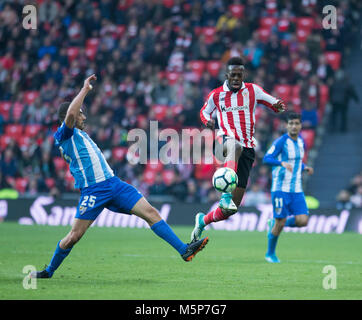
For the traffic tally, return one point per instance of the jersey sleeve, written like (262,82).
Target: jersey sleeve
(264,98)
(208,108)
(63,133)
(271,156)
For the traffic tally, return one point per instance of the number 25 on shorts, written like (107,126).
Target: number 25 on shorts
(88,201)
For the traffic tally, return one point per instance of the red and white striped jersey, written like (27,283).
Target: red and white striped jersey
(235,111)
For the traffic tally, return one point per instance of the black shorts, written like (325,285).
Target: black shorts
(245,164)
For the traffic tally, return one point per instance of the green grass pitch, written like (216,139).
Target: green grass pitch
(134,264)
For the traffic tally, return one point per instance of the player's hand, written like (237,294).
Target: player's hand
(287,166)
(309,170)
(87,85)
(280,106)
(211,124)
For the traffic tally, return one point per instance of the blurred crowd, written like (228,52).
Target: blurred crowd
(157,60)
(351,196)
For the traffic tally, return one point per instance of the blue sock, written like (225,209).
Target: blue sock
(163,230)
(290,222)
(272,243)
(58,257)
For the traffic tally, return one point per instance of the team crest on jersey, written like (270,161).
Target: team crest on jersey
(278,211)
(82,209)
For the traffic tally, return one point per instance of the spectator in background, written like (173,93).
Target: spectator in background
(342,92)
(344,200)
(356,199)
(255,196)
(9,164)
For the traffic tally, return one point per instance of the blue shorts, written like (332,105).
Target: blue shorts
(113,194)
(288,203)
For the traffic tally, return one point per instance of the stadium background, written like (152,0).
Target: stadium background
(157,60)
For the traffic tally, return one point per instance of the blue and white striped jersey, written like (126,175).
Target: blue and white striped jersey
(291,151)
(86,161)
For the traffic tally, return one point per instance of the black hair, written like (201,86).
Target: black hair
(235,61)
(62,110)
(294,115)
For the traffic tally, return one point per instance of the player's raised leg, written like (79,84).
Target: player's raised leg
(64,247)
(233,150)
(144,210)
(202,220)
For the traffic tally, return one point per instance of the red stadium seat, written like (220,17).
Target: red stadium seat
(324,94)
(91,52)
(92,43)
(168,177)
(264,34)
(308,136)
(14,130)
(30,96)
(283,91)
(119,153)
(213,67)
(267,22)
(305,23)
(18,109)
(204,171)
(197,67)
(121,29)
(31,130)
(303,34)
(72,53)
(209,33)
(177,109)
(237,10)
(160,111)
(4,141)
(50,182)
(157,167)
(21,184)
(168,3)
(23,141)
(149,176)
(172,77)
(5,109)
(59,163)
(333,59)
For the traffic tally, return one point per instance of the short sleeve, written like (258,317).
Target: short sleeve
(63,133)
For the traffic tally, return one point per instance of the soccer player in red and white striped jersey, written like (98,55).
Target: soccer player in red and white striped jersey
(234,103)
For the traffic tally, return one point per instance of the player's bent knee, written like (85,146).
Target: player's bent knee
(151,215)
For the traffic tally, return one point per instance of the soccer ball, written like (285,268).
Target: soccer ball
(225,180)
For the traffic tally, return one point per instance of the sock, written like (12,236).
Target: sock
(58,257)
(214,216)
(272,243)
(163,230)
(231,164)
(290,222)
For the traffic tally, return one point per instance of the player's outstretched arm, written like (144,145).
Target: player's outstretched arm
(77,102)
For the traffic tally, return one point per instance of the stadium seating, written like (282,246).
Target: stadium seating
(168,176)
(264,34)
(308,136)
(197,67)
(118,153)
(14,130)
(237,10)
(30,96)
(333,58)
(5,109)
(283,91)
(213,67)
(21,184)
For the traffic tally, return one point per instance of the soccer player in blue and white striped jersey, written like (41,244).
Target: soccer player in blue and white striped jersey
(100,188)
(286,157)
